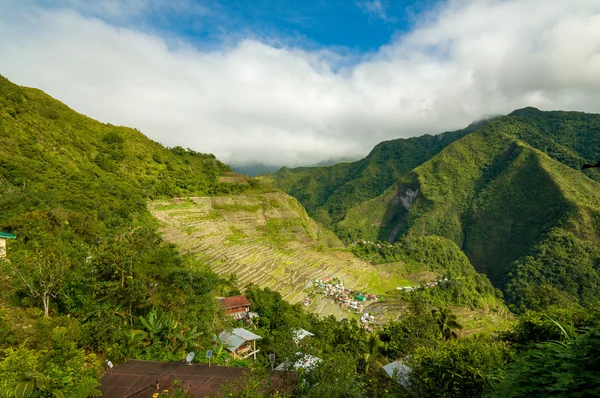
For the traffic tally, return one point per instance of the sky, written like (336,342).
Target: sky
(300,81)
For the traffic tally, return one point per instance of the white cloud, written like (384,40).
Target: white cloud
(375,9)
(252,101)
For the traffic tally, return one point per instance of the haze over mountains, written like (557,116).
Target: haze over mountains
(278,97)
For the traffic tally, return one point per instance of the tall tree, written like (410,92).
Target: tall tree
(43,268)
(447,322)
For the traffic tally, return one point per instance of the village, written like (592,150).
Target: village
(334,291)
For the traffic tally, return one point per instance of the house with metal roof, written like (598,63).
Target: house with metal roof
(300,334)
(399,372)
(236,306)
(4,236)
(240,342)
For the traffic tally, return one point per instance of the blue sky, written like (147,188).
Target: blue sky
(297,82)
(358,26)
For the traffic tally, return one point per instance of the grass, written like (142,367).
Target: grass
(233,207)
(268,253)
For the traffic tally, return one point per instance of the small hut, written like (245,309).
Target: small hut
(240,342)
(299,334)
(4,236)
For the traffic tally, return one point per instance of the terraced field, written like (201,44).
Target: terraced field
(267,239)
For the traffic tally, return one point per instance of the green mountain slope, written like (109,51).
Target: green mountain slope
(327,192)
(67,171)
(88,275)
(267,239)
(61,157)
(498,198)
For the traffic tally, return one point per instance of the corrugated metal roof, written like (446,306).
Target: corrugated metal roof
(137,378)
(237,338)
(246,334)
(235,301)
(399,371)
(231,341)
(303,361)
(299,334)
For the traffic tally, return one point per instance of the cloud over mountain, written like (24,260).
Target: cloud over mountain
(259,99)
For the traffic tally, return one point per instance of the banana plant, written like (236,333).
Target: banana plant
(154,323)
(132,341)
(185,337)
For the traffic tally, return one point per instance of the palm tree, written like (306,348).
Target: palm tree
(446,322)
(372,358)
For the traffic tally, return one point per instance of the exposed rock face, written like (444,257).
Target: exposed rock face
(409,197)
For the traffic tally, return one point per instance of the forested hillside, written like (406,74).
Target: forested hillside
(88,273)
(511,195)
(327,192)
(89,277)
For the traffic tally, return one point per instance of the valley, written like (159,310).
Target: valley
(121,249)
(266,239)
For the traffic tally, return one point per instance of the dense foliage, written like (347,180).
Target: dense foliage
(90,279)
(89,272)
(508,192)
(464,286)
(327,192)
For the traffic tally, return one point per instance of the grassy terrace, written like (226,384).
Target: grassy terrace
(265,240)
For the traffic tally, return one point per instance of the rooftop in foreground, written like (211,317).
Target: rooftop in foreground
(137,378)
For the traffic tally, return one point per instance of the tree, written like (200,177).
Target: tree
(132,341)
(570,368)
(446,322)
(43,268)
(416,329)
(334,377)
(468,367)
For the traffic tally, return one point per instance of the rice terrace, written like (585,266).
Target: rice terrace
(267,239)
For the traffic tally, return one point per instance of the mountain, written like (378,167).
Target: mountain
(268,240)
(51,155)
(67,171)
(327,192)
(253,169)
(507,192)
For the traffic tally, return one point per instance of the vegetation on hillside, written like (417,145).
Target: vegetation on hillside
(502,193)
(88,272)
(89,278)
(464,286)
(327,192)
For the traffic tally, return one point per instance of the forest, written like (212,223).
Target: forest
(89,277)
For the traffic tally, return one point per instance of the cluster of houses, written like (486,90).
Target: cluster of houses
(366,320)
(342,296)
(368,242)
(424,286)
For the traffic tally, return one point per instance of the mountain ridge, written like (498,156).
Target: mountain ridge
(497,192)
